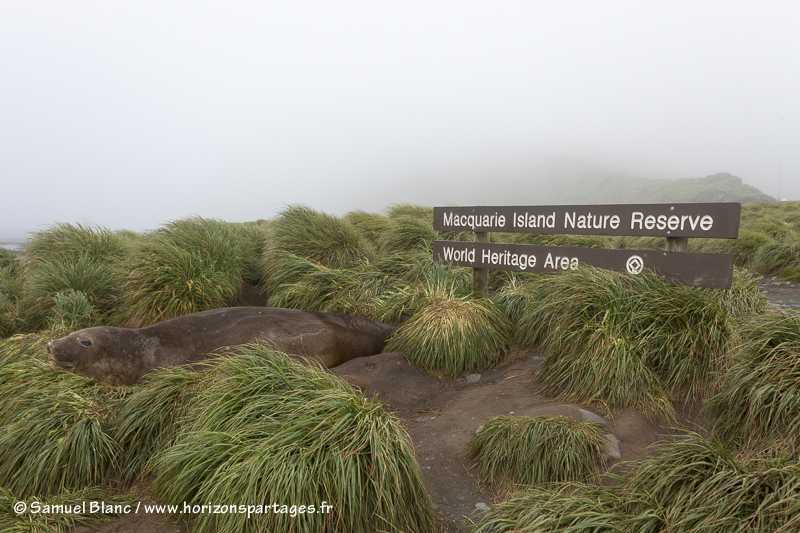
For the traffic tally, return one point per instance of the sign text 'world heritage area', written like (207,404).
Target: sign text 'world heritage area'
(687,268)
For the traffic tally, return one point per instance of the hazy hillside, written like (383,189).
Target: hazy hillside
(596,186)
(558,181)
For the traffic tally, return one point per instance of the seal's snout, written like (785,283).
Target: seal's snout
(56,359)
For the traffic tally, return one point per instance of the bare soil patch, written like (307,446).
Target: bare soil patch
(783,293)
(442,420)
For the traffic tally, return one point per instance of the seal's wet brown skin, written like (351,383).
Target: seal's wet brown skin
(121,356)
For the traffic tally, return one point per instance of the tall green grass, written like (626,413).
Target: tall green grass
(774,256)
(696,485)
(544,239)
(423,283)
(264,429)
(407,234)
(66,257)
(9,260)
(769,238)
(55,427)
(687,485)
(61,522)
(566,508)
(411,266)
(74,239)
(410,210)
(100,282)
(347,291)
(72,312)
(371,225)
(791,273)
(10,293)
(151,416)
(449,336)
(758,408)
(522,451)
(274,430)
(515,293)
(301,284)
(624,341)
(188,266)
(318,237)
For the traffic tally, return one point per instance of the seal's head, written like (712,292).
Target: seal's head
(96,353)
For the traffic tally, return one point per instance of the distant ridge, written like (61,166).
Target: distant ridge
(575,184)
(721,187)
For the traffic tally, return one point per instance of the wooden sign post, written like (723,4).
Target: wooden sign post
(480,276)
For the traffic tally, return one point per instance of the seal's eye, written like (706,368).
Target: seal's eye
(85,343)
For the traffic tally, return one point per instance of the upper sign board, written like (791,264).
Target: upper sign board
(713,220)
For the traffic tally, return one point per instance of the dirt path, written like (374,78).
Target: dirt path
(783,293)
(442,421)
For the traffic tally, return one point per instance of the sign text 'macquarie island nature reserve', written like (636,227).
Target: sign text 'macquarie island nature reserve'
(712,220)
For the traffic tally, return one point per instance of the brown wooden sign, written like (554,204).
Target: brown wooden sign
(712,220)
(687,268)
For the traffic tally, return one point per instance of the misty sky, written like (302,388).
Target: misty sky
(131,114)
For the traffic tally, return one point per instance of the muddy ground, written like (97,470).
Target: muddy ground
(442,419)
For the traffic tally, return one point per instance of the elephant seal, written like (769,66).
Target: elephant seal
(121,356)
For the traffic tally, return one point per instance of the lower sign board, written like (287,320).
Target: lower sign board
(686,268)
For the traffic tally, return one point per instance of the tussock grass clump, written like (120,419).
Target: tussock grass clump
(54,426)
(9,260)
(410,267)
(410,210)
(346,291)
(687,485)
(371,225)
(637,342)
(759,405)
(567,508)
(99,281)
(318,237)
(72,240)
(743,248)
(548,239)
(187,266)
(8,319)
(515,292)
(251,240)
(696,485)
(60,522)
(10,293)
(627,242)
(10,283)
(773,256)
(791,274)
(769,239)
(426,282)
(68,257)
(150,417)
(448,337)
(72,311)
(265,429)
(407,234)
(301,284)
(518,451)
(22,347)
